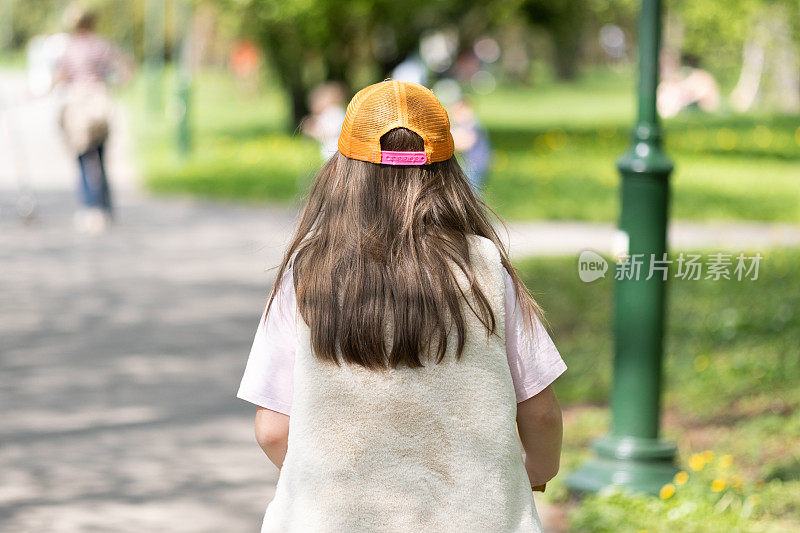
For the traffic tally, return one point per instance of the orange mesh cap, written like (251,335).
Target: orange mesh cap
(379,108)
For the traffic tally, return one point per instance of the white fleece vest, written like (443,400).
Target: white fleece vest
(408,450)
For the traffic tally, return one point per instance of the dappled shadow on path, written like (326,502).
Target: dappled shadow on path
(121,356)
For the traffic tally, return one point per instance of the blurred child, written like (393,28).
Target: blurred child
(400,351)
(327,114)
(472,141)
(683,87)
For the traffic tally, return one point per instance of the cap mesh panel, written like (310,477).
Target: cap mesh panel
(384,106)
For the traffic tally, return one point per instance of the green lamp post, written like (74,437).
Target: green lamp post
(154,44)
(6,24)
(182,16)
(633,456)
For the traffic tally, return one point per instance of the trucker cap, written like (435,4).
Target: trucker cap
(390,104)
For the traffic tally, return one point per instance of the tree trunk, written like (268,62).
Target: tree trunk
(566,45)
(785,66)
(287,56)
(746,90)
(299,97)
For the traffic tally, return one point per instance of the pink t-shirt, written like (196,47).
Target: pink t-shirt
(87,58)
(533,359)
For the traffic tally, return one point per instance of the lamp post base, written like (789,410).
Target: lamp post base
(635,464)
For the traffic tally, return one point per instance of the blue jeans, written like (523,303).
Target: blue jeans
(94,184)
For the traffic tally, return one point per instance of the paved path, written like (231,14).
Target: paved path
(121,354)
(120,360)
(570,238)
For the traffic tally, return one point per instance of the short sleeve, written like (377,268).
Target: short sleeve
(268,377)
(532,357)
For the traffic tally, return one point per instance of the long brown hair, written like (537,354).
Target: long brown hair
(371,254)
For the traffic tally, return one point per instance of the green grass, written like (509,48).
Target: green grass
(555,148)
(13,59)
(240,148)
(731,375)
(569,173)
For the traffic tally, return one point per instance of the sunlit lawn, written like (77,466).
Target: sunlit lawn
(555,148)
(732,370)
(240,150)
(12,60)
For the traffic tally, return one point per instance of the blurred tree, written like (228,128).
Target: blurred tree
(741,39)
(564,21)
(119,20)
(715,30)
(571,25)
(354,42)
(358,41)
(31,19)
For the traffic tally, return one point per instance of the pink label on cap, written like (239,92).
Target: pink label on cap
(403,158)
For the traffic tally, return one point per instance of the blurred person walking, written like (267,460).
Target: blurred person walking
(85,70)
(472,140)
(400,355)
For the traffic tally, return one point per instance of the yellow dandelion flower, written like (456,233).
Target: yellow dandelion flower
(725,461)
(556,139)
(607,133)
(701,363)
(762,136)
(717,485)
(696,462)
(667,491)
(736,481)
(500,161)
(708,456)
(540,143)
(726,139)
(681,477)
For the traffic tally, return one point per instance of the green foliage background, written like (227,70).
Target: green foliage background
(555,146)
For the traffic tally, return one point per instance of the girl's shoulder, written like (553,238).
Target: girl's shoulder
(487,263)
(484,248)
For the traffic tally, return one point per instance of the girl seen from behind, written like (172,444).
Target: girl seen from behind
(400,351)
